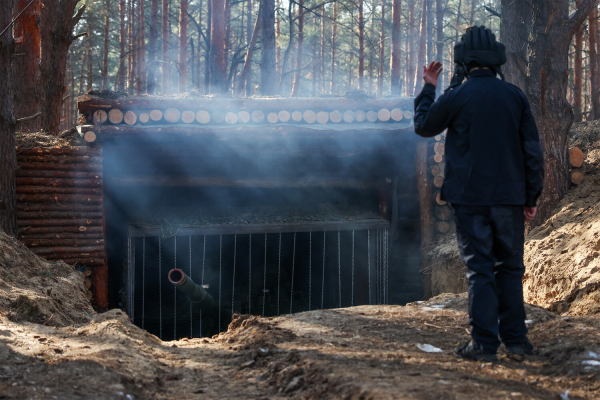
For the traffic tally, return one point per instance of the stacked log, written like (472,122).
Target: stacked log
(442,212)
(576,158)
(60,208)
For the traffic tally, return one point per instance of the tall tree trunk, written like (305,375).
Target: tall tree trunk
(57,35)
(8,158)
(351,58)
(249,20)
(26,68)
(594,81)
(361,46)
(322,50)
(422,48)
(298,73)
(106,43)
(122,40)
(81,72)
(90,61)
(472,14)
(396,48)
(578,61)
(381,51)
(542,77)
(183,10)
(199,28)
(333,34)
(249,54)
(207,55)
(141,51)
(277,38)
(268,85)
(151,79)
(372,48)
(439,18)
(430,41)
(166,69)
(131,48)
(227,49)
(217,47)
(410,68)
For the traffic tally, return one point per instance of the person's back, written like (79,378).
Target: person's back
(493,178)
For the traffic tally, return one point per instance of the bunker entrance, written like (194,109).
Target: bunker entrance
(260,273)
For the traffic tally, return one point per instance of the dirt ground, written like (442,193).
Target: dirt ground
(366,352)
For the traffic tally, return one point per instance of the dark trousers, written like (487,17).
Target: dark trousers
(490,242)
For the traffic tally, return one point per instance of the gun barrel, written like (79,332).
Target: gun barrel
(194,292)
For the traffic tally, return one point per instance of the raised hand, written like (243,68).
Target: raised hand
(432,72)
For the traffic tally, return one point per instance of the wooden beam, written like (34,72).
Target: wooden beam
(249,183)
(379,223)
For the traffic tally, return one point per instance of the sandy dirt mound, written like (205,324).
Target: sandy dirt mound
(446,268)
(366,352)
(33,289)
(563,255)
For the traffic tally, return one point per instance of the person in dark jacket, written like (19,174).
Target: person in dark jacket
(493,178)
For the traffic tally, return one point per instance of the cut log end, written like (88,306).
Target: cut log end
(438,181)
(115,116)
(172,115)
(130,118)
(349,116)
(244,116)
(89,137)
(322,117)
(284,116)
(231,118)
(577,177)
(203,117)
(397,114)
(335,116)
(442,226)
(156,115)
(360,116)
(371,116)
(297,116)
(576,156)
(258,116)
(188,117)
(144,118)
(309,116)
(272,118)
(100,117)
(383,115)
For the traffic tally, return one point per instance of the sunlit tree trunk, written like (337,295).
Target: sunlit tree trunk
(410,68)
(594,81)
(57,35)
(577,74)
(166,70)
(217,47)
(268,85)
(381,51)
(106,43)
(333,37)
(298,74)
(183,10)
(141,50)
(151,80)
(422,48)
(122,40)
(26,68)
(8,158)
(361,46)
(90,61)
(396,49)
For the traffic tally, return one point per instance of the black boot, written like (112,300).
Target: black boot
(518,351)
(474,351)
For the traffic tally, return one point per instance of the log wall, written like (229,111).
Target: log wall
(61,210)
(442,212)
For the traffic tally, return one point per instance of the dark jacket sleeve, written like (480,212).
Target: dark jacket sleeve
(431,117)
(533,156)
